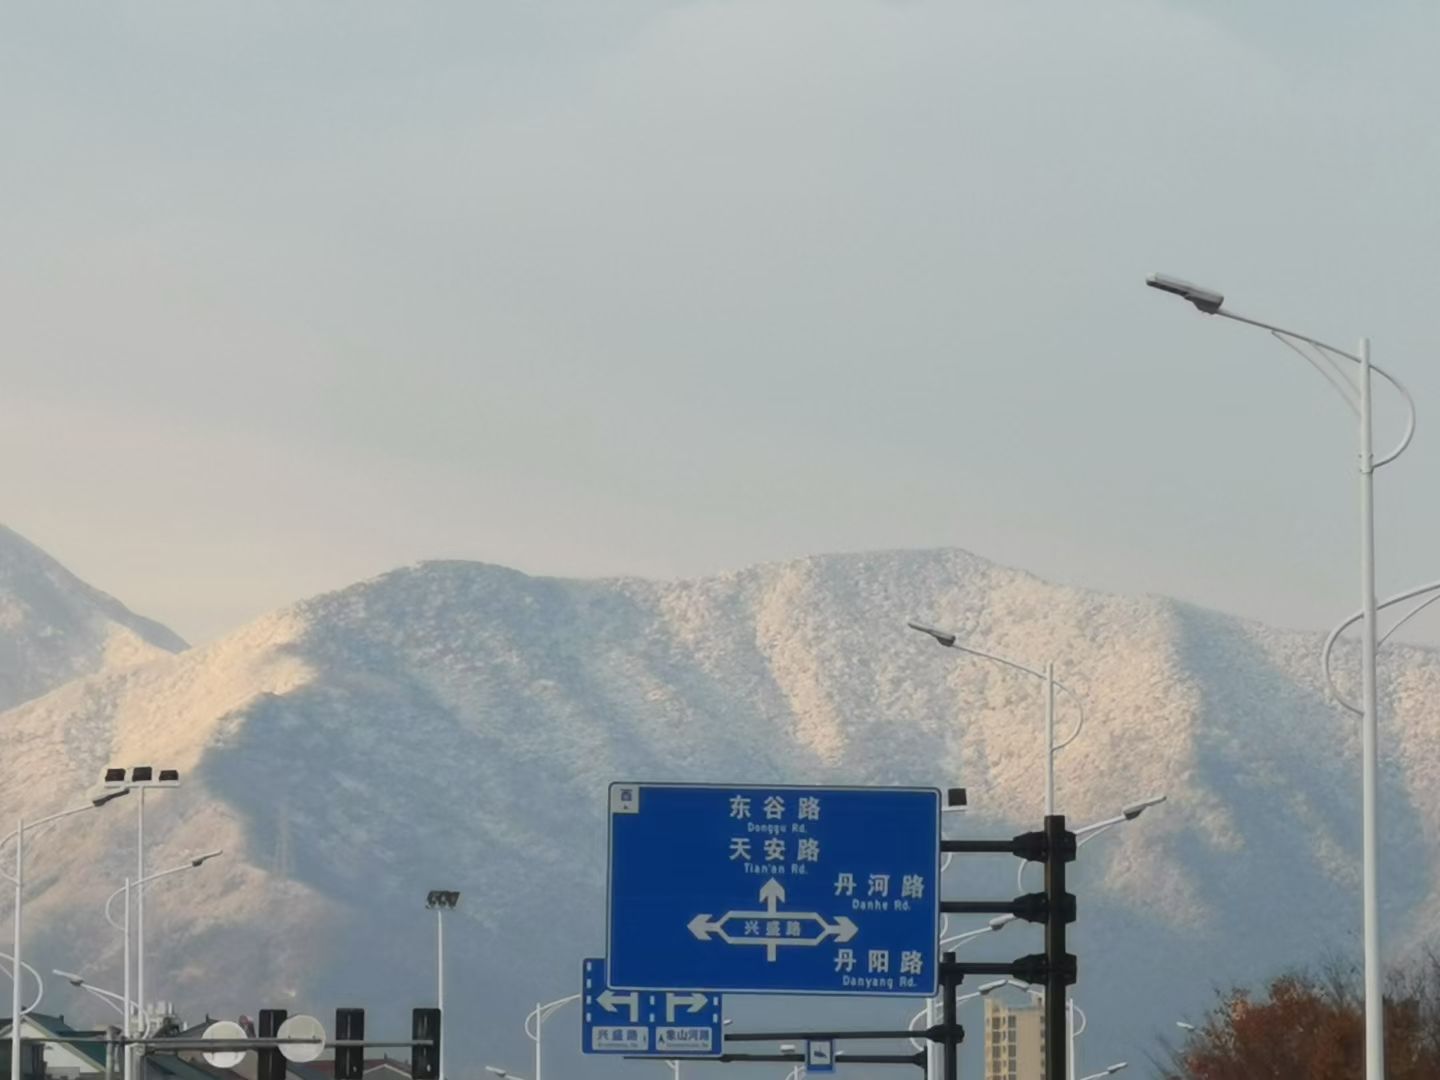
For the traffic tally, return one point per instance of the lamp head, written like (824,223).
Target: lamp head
(947,640)
(496,1070)
(108,795)
(71,977)
(442,898)
(999,922)
(1207,300)
(200,860)
(1135,809)
(991,987)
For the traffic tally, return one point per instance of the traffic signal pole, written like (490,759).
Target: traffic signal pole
(1060,965)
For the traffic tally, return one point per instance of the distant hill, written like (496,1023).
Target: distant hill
(454,725)
(54,627)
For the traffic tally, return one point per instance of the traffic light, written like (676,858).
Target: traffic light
(271,1061)
(349,1060)
(425,1054)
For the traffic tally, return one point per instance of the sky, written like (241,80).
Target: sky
(293,293)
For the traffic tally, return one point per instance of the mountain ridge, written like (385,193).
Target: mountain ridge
(54,627)
(454,724)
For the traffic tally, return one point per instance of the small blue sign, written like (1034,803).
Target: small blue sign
(664,1024)
(820,1056)
(774,890)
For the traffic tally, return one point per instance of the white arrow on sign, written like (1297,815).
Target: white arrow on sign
(771,893)
(694,1002)
(609,999)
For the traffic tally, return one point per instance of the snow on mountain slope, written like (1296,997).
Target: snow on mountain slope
(54,627)
(454,725)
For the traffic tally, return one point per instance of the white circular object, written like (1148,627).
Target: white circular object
(225,1029)
(302,1027)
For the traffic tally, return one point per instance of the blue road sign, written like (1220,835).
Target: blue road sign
(820,1056)
(663,1024)
(774,890)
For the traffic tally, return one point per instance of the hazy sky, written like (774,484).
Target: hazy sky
(292,293)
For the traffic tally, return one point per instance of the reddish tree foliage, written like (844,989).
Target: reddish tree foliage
(1308,1027)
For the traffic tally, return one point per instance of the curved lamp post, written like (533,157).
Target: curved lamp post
(1331,362)
(534,1027)
(950,641)
(134,1006)
(22,826)
(39,982)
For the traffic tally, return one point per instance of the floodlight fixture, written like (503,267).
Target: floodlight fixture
(1206,300)
(442,898)
(141,776)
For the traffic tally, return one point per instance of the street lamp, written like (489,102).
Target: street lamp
(950,641)
(39,982)
(125,890)
(1326,359)
(1083,835)
(140,779)
(17,1014)
(999,922)
(441,901)
(1106,1071)
(1183,1026)
(539,1015)
(1071,1010)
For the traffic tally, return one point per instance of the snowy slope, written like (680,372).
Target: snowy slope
(54,627)
(455,724)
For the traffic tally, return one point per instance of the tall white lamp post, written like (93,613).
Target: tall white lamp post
(1355,389)
(17,1015)
(441,901)
(950,641)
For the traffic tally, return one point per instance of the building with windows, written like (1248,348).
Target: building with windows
(1014,1041)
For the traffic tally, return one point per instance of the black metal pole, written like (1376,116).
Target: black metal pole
(1057,1042)
(949,982)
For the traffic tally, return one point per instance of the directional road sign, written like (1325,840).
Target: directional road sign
(774,890)
(820,1056)
(663,1024)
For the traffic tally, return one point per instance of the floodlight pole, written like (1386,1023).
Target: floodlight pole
(440,978)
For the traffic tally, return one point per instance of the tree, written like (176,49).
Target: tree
(1305,1026)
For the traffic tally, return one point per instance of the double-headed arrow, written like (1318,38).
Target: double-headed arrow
(771,894)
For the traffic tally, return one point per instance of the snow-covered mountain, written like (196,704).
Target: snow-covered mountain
(454,725)
(54,627)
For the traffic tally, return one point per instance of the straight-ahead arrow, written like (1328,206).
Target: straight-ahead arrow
(771,893)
